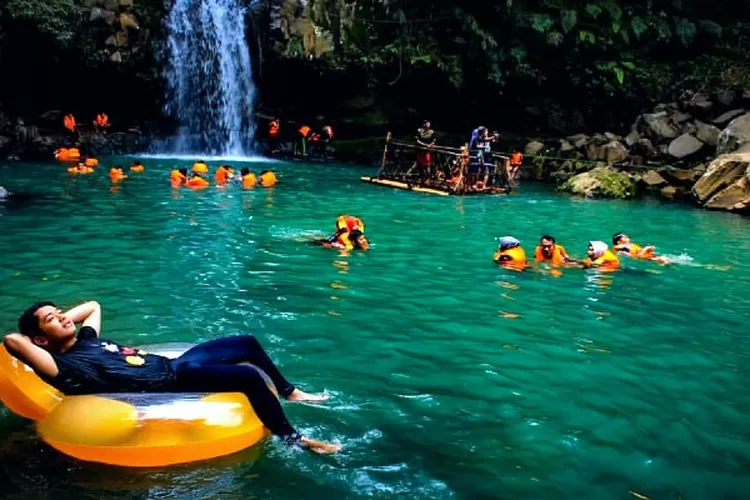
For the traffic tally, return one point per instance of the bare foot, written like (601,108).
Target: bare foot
(320,447)
(298,395)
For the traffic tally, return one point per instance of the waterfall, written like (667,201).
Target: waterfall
(210,81)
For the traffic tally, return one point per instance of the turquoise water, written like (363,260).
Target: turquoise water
(450,377)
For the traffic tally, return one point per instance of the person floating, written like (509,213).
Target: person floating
(268,178)
(200,167)
(549,251)
(249,180)
(116,174)
(80,168)
(137,167)
(101,123)
(623,245)
(600,256)
(426,140)
(178,177)
(510,254)
(348,234)
(91,162)
(79,362)
(197,182)
(223,174)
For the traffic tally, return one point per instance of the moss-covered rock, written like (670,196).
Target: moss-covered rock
(601,182)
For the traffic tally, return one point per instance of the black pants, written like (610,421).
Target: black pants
(213,367)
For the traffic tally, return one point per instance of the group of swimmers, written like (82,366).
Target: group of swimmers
(116,172)
(349,234)
(510,254)
(223,175)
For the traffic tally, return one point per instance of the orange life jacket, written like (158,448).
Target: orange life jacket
(304,130)
(249,181)
(273,128)
(268,179)
(516,158)
(343,241)
(70,122)
(635,250)
(558,255)
(514,258)
(116,174)
(91,162)
(197,182)
(221,175)
(200,168)
(607,261)
(349,223)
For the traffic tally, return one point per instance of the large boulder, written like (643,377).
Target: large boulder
(699,104)
(685,145)
(707,134)
(632,138)
(660,125)
(735,198)
(735,135)
(578,141)
(683,177)
(727,117)
(653,180)
(611,152)
(533,148)
(725,183)
(601,182)
(673,192)
(566,147)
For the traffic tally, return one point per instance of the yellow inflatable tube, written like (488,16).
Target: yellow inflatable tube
(132,430)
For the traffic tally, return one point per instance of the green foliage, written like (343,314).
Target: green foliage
(56,19)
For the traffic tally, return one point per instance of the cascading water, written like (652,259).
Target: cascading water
(209,74)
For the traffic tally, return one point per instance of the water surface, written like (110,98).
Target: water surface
(450,378)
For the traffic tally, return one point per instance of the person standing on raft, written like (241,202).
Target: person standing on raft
(78,362)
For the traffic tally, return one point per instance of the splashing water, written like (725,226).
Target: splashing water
(209,75)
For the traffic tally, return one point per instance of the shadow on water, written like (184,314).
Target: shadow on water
(29,468)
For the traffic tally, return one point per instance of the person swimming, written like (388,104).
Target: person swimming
(248,178)
(600,256)
(622,244)
(347,240)
(549,251)
(510,254)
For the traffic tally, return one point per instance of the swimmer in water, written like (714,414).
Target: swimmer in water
(76,362)
(549,251)
(510,254)
(601,257)
(346,240)
(622,244)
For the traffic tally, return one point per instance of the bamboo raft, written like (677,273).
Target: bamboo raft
(448,175)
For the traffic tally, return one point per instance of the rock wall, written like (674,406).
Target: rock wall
(680,141)
(122,36)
